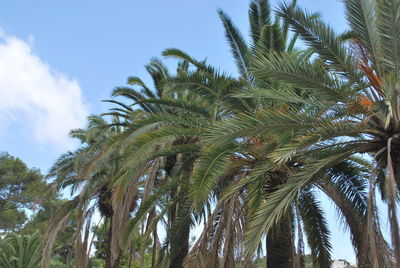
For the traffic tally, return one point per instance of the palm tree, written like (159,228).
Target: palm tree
(168,138)
(349,107)
(91,171)
(266,35)
(207,88)
(20,251)
(350,201)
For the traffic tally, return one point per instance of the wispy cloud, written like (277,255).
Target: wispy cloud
(44,103)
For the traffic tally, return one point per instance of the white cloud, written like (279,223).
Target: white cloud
(44,103)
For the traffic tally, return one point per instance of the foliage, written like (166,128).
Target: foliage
(247,156)
(20,251)
(20,188)
(96,263)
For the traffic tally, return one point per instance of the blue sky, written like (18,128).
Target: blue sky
(59,59)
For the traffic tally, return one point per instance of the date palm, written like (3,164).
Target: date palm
(252,124)
(267,35)
(180,110)
(90,172)
(147,141)
(349,106)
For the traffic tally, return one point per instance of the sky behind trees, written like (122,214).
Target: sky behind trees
(59,59)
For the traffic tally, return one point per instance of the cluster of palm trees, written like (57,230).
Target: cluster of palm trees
(248,156)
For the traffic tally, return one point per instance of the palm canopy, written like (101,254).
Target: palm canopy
(90,171)
(247,155)
(345,102)
(169,139)
(294,89)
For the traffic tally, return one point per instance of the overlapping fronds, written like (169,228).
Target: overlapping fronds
(213,163)
(321,38)
(316,228)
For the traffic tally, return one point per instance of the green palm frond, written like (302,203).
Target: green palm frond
(271,39)
(259,16)
(186,58)
(144,146)
(351,181)
(184,105)
(134,80)
(159,73)
(212,164)
(388,26)
(127,108)
(238,45)
(279,202)
(361,17)
(132,95)
(316,228)
(20,251)
(299,73)
(147,205)
(321,38)
(180,55)
(178,149)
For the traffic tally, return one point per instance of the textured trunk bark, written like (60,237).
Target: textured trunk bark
(154,250)
(179,243)
(108,248)
(180,249)
(280,247)
(248,263)
(115,264)
(395,165)
(396,168)
(68,259)
(130,257)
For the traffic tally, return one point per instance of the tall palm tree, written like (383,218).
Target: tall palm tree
(177,115)
(90,170)
(266,35)
(352,213)
(349,106)
(137,146)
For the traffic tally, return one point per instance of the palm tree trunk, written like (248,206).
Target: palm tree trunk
(68,259)
(108,246)
(130,252)
(248,263)
(280,245)
(179,236)
(154,251)
(390,186)
(110,262)
(180,250)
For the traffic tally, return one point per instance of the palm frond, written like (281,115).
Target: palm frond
(212,164)
(259,16)
(321,38)
(316,228)
(238,45)
(361,16)
(147,205)
(279,202)
(299,73)
(388,29)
